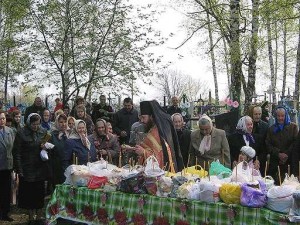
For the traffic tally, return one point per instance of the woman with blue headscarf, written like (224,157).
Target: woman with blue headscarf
(280,139)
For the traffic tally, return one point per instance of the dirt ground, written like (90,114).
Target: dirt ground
(20,217)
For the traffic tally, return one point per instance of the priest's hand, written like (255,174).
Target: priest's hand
(139,150)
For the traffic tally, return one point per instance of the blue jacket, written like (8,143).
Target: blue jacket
(81,152)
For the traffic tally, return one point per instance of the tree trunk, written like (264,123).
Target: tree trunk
(284,60)
(213,60)
(66,70)
(227,64)
(250,88)
(6,74)
(235,50)
(271,61)
(297,74)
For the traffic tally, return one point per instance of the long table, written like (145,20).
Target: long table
(97,207)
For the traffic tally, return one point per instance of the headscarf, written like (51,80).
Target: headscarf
(34,134)
(60,132)
(241,128)
(249,151)
(75,135)
(30,115)
(44,124)
(287,120)
(206,141)
(166,131)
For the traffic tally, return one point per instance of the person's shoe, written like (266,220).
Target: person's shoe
(7,218)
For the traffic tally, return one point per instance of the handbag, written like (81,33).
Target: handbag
(97,182)
(254,195)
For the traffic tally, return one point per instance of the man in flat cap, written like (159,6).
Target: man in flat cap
(161,139)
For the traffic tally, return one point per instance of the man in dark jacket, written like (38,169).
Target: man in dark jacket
(102,110)
(260,129)
(124,119)
(183,134)
(174,108)
(37,107)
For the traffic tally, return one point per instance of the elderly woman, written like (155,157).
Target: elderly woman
(80,146)
(46,119)
(31,168)
(243,137)
(107,145)
(280,141)
(209,143)
(59,135)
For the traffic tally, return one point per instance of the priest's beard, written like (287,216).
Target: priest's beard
(149,125)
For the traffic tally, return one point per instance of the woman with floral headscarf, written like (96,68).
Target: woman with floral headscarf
(242,137)
(79,146)
(280,140)
(30,167)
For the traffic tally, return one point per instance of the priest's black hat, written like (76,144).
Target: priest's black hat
(146,108)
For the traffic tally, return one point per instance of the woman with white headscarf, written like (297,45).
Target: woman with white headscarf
(80,146)
(30,167)
(208,143)
(243,137)
(60,133)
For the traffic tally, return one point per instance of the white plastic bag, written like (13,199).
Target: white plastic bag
(209,191)
(291,180)
(280,198)
(152,168)
(269,181)
(77,175)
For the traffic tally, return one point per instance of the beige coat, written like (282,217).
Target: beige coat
(219,148)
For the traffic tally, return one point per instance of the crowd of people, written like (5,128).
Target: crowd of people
(86,134)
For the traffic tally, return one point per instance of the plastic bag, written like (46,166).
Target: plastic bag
(97,182)
(296,203)
(280,198)
(230,193)
(216,168)
(197,170)
(152,168)
(164,186)
(291,180)
(254,195)
(184,191)
(151,185)
(269,181)
(209,191)
(134,184)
